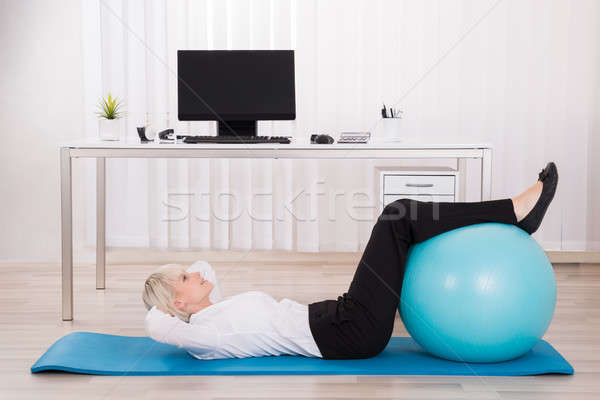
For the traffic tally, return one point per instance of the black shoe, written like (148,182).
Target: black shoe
(549,177)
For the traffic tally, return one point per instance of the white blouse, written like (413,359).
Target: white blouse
(250,324)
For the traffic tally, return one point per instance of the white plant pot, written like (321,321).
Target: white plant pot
(110,129)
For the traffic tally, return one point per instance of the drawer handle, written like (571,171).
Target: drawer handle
(419,184)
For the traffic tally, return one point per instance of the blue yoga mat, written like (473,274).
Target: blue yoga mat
(101,354)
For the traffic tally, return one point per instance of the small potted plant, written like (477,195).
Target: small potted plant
(110,118)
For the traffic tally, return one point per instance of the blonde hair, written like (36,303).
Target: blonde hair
(159,290)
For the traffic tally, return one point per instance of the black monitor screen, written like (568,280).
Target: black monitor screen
(236,85)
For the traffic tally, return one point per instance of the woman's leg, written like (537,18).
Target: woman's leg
(377,282)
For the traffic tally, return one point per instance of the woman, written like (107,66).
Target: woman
(186,308)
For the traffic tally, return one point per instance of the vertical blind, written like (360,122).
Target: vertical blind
(515,74)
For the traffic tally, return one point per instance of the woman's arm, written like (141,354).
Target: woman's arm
(207,271)
(196,338)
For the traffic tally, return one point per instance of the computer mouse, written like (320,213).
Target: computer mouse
(324,139)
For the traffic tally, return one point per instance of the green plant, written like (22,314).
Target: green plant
(110,107)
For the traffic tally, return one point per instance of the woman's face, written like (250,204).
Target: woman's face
(191,292)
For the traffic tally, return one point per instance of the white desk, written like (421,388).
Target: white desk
(124,149)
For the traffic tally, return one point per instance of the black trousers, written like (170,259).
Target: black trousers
(359,323)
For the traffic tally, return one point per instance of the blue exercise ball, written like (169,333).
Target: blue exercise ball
(479,293)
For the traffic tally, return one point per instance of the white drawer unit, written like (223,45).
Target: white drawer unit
(418,184)
(424,184)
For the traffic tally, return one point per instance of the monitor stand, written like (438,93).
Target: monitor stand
(240,128)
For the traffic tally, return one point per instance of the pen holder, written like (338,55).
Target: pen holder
(391,130)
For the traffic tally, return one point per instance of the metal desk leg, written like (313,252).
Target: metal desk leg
(462,176)
(486,175)
(100,223)
(66,229)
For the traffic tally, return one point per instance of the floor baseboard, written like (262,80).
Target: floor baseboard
(154,256)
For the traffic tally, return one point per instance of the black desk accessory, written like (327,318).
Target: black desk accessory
(142,134)
(164,135)
(321,139)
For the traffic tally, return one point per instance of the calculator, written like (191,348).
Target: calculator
(354,137)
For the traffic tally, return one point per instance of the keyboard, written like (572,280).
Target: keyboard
(236,139)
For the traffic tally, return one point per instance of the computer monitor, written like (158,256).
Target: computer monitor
(236,88)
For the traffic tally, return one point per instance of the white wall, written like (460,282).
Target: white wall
(40,105)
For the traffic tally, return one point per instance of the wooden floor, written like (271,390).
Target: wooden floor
(29,314)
